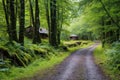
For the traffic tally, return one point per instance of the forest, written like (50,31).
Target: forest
(40,39)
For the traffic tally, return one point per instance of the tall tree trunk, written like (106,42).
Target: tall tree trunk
(22,22)
(16,10)
(103,33)
(13,31)
(5,6)
(59,21)
(47,3)
(31,12)
(118,30)
(53,23)
(37,38)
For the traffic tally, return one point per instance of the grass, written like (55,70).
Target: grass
(100,56)
(39,65)
(101,59)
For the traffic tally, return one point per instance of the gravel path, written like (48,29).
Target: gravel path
(79,65)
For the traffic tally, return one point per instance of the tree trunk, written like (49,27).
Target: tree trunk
(103,33)
(47,3)
(53,23)
(37,38)
(31,12)
(22,22)
(7,17)
(60,22)
(118,30)
(13,21)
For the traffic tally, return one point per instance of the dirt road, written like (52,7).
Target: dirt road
(79,65)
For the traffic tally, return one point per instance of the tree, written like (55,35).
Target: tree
(10,15)
(53,30)
(103,5)
(13,31)
(47,6)
(36,38)
(22,21)
(59,19)
(5,6)
(31,13)
(35,21)
(51,16)
(99,18)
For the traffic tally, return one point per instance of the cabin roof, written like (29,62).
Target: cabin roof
(73,35)
(43,30)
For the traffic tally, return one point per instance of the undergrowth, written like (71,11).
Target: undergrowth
(108,59)
(33,57)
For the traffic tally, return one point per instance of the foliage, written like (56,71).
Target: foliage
(17,54)
(100,56)
(65,34)
(108,59)
(95,23)
(40,64)
(113,57)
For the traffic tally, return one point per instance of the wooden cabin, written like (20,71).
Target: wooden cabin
(29,32)
(43,33)
(73,37)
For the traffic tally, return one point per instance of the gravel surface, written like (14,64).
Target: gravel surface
(79,65)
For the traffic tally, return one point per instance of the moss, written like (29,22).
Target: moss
(17,54)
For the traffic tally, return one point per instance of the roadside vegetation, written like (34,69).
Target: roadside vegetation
(44,57)
(108,59)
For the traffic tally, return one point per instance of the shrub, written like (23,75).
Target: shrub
(114,56)
(17,54)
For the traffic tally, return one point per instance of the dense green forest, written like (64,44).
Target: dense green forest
(24,46)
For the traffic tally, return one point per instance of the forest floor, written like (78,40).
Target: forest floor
(80,65)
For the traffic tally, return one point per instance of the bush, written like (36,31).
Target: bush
(114,57)
(17,54)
